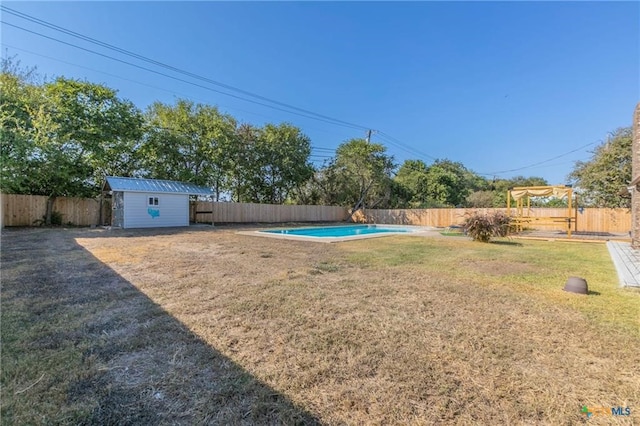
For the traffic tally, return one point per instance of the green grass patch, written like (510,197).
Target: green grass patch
(536,270)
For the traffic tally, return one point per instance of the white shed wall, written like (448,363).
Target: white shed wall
(172,210)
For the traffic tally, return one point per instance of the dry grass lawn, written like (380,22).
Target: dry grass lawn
(206,326)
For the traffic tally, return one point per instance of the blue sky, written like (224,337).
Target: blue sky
(496,86)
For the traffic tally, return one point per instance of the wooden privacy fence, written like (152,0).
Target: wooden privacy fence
(26,210)
(588,219)
(268,213)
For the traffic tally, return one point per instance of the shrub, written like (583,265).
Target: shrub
(56,219)
(481,227)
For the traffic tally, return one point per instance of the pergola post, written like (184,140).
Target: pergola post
(569,198)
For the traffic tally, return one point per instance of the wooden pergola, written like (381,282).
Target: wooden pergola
(522,196)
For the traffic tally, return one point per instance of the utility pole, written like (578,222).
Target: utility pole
(369,136)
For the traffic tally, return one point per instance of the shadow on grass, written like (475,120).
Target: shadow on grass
(82,345)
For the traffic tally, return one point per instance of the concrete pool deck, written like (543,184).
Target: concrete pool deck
(416,231)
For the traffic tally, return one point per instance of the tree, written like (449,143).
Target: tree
(188,142)
(501,186)
(323,188)
(446,183)
(359,175)
(481,199)
(442,184)
(412,178)
(60,138)
(244,163)
(19,95)
(603,178)
(269,164)
(282,153)
(474,182)
(99,130)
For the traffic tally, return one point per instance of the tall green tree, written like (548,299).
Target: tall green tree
(269,164)
(602,179)
(282,153)
(19,97)
(360,175)
(244,163)
(323,188)
(482,198)
(412,181)
(442,184)
(188,142)
(98,129)
(60,138)
(481,191)
(446,183)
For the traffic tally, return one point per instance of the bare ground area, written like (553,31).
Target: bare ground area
(206,326)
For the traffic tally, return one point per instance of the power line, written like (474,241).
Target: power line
(388,138)
(540,162)
(302,112)
(314,148)
(403,146)
(176,78)
(562,163)
(169,67)
(182,133)
(156,87)
(322,154)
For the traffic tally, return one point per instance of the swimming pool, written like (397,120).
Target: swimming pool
(334,232)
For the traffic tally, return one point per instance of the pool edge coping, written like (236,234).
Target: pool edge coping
(420,231)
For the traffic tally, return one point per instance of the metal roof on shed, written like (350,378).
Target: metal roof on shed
(154,185)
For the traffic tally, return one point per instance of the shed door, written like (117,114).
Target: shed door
(117,218)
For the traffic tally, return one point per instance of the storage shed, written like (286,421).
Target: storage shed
(150,203)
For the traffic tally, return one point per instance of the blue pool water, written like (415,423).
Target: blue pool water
(340,231)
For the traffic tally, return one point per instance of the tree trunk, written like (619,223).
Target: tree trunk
(47,216)
(363,194)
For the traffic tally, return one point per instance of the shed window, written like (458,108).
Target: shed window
(153,201)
